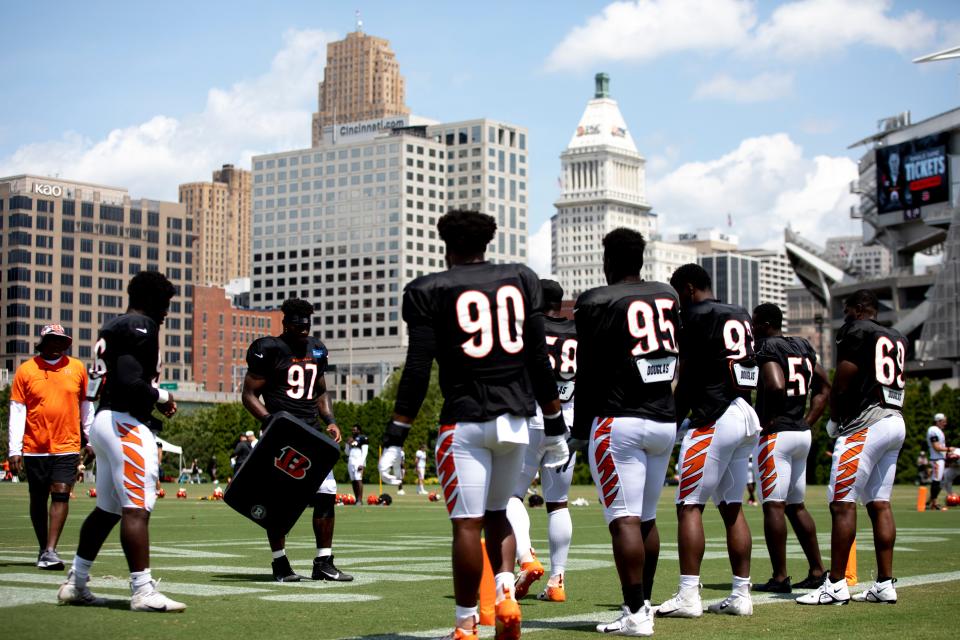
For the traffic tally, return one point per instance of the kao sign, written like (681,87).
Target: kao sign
(48,189)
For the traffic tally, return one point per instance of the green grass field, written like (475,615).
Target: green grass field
(218,563)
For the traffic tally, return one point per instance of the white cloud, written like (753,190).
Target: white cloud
(265,113)
(764,184)
(538,250)
(760,88)
(646,29)
(642,30)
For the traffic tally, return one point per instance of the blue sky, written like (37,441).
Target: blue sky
(739,106)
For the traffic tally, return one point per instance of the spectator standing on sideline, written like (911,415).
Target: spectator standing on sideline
(48,406)
(212,469)
(195,472)
(421,469)
(357,448)
(243,450)
(936,442)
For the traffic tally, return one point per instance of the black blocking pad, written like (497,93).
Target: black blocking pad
(280,478)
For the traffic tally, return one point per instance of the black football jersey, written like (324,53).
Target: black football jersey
(562,352)
(292,371)
(628,351)
(797,359)
(879,353)
(478,314)
(719,364)
(127,355)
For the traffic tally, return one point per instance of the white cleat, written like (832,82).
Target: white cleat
(879,593)
(735,604)
(835,593)
(639,624)
(401,492)
(684,604)
(72,592)
(149,599)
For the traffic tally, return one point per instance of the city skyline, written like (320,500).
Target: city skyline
(757,113)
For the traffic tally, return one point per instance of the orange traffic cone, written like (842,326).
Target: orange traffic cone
(488,590)
(851,573)
(922,498)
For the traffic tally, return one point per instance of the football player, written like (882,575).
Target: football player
(421,469)
(866,404)
(937,443)
(122,436)
(483,323)
(357,447)
(789,375)
(717,373)
(627,356)
(287,371)
(562,351)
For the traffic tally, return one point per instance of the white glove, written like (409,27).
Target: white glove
(833,429)
(555,452)
(389,465)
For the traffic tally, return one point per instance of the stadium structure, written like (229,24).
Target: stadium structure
(909,190)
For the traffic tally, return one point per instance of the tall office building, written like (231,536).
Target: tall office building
(603,186)
(707,241)
(776,275)
(361,81)
(736,278)
(873,261)
(662,258)
(221,212)
(71,249)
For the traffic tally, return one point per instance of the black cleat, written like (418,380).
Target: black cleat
(774,586)
(282,571)
(811,582)
(324,569)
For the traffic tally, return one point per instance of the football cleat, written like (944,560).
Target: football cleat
(835,593)
(49,560)
(459,633)
(685,603)
(530,572)
(735,604)
(401,492)
(810,582)
(639,624)
(879,593)
(72,592)
(774,586)
(507,618)
(149,599)
(324,569)
(282,571)
(553,592)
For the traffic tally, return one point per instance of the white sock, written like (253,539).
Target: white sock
(741,585)
(323,552)
(140,580)
(279,554)
(689,582)
(81,569)
(520,521)
(504,583)
(559,532)
(464,613)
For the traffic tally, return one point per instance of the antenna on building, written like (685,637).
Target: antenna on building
(359,21)
(603,86)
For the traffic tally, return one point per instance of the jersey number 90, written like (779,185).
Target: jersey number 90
(478,315)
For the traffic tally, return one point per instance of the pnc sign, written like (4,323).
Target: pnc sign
(47,189)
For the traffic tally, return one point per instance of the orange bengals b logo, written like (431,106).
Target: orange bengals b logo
(292,462)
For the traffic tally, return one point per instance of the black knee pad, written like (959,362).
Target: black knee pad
(323,505)
(58,496)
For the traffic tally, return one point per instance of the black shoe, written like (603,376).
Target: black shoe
(811,582)
(282,571)
(324,569)
(774,586)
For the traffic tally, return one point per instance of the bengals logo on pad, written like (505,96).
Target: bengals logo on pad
(293,463)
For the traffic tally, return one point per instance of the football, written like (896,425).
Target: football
(182,493)
(953,500)
(371,499)
(161,493)
(433,497)
(217,494)
(92,492)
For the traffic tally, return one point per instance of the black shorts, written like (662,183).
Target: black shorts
(43,471)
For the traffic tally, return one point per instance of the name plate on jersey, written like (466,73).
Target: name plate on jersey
(565,390)
(745,376)
(892,397)
(93,387)
(657,369)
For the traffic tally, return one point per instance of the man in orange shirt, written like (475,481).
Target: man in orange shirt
(48,406)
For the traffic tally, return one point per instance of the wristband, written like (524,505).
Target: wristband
(554,425)
(163,396)
(395,434)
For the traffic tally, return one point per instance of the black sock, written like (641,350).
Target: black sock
(884,578)
(934,491)
(633,597)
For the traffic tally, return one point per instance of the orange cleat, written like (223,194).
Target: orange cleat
(508,618)
(462,634)
(530,572)
(553,593)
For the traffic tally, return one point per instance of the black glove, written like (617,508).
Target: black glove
(395,434)
(555,426)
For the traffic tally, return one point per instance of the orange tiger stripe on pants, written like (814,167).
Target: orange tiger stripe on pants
(134,466)
(848,464)
(446,468)
(691,469)
(606,468)
(767,464)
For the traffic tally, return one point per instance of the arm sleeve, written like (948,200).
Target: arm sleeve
(18,423)
(87,413)
(420,352)
(535,342)
(257,359)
